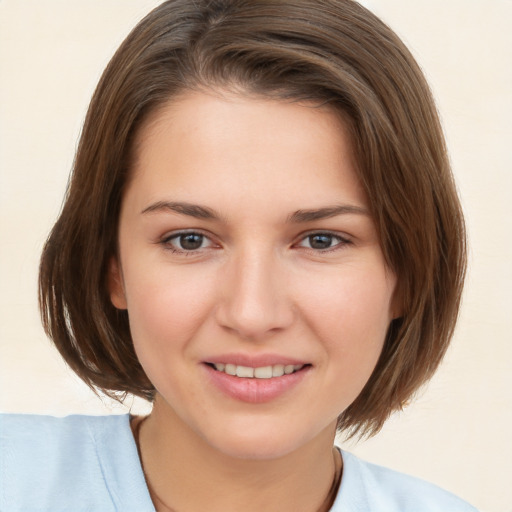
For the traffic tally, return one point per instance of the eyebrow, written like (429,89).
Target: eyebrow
(326,213)
(300,216)
(192,210)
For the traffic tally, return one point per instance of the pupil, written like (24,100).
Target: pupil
(191,241)
(320,241)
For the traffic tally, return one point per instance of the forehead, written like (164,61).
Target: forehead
(234,145)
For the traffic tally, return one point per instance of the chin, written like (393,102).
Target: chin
(262,441)
(257,448)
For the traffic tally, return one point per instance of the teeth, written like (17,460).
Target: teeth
(289,369)
(278,370)
(244,371)
(262,372)
(230,369)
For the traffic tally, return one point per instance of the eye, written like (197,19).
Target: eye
(322,241)
(187,242)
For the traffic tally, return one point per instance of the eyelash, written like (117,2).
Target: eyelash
(341,241)
(167,242)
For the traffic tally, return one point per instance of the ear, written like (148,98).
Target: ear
(116,285)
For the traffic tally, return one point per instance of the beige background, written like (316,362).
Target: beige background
(458,431)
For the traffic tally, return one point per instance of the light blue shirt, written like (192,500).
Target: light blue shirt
(91,464)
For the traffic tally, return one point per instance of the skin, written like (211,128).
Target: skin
(257,284)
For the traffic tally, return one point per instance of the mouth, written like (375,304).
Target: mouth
(261,372)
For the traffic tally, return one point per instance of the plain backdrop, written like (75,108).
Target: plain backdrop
(457,432)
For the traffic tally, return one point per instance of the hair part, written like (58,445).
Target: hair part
(330,52)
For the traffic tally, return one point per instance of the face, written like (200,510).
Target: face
(257,293)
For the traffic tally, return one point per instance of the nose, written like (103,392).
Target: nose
(255,300)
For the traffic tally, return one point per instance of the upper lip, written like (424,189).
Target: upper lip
(254,361)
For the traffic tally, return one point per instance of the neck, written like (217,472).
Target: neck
(186,474)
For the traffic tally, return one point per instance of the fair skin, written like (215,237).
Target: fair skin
(245,240)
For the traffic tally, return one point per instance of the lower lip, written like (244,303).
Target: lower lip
(254,390)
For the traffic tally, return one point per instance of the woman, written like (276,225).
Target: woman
(261,236)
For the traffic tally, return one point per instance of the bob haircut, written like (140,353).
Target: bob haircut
(325,52)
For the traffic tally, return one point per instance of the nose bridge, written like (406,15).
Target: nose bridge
(255,297)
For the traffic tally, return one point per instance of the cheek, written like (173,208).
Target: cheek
(166,307)
(351,312)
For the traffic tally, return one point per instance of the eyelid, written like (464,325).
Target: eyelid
(166,239)
(188,231)
(344,240)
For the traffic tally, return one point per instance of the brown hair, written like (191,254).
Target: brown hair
(333,52)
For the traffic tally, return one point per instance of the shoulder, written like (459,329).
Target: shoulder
(72,440)
(31,426)
(50,463)
(368,486)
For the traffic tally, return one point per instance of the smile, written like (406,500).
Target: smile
(262,372)
(256,384)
